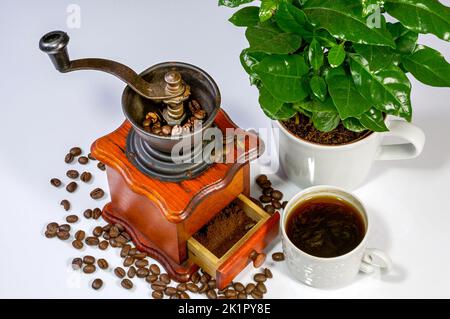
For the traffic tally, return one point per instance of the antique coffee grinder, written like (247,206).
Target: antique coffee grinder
(162,197)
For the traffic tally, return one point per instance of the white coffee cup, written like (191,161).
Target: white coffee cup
(335,271)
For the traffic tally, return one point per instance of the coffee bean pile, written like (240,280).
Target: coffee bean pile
(154,122)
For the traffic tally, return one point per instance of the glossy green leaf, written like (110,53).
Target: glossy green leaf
(405,39)
(346,98)
(422,16)
(336,56)
(283,76)
(267,9)
(233,3)
(268,39)
(373,120)
(354,125)
(428,66)
(274,108)
(378,57)
(343,19)
(388,89)
(324,38)
(326,121)
(290,18)
(249,60)
(315,55)
(318,87)
(245,17)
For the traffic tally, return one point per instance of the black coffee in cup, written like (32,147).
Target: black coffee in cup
(325,226)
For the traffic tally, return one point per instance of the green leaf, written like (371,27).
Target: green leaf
(266,38)
(346,98)
(249,60)
(422,16)
(324,38)
(388,89)
(374,120)
(428,66)
(353,124)
(314,106)
(405,39)
(326,121)
(273,108)
(318,87)
(343,19)
(315,55)
(336,56)
(245,17)
(283,76)
(233,3)
(290,18)
(370,5)
(267,9)
(378,57)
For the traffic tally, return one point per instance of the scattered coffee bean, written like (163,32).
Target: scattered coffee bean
(83,160)
(182,287)
(155,269)
(97,284)
(91,157)
(184,295)
(98,231)
(131,272)
(249,288)
(65,204)
(277,195)
(55,182)
(138,255)
(97,193)
(77,263)
(169,291)
(259,277)
(71,187)
(72,173)
(165,278)
(239,287)
(278,256)
(64,227)
(192,287)
(158,286)
(63,235)
(268,191)
(265,199)
(91,241)
(77,244)
(103,245)
(212,284)
(203,289)
(195,277)
(175,296)
(119,272)
(211,294)
(259,260)
(253,254)
(89,259)
(101,166)
(68,158)
(124,251)
(283,204)
(128,261)
(276,204)
(89,269)
(53,227)
(261,179)
(230,293)
(261,287)
(256,294)
(157,294)
(75,151)
(87,213)
(266,184)
(72,219)
(151,278)
(126,283)
(86,177)
(242,295)
(80,235)
(141,263)
(102,263)
(142,272)
(96,213)
(268,273)
(269,209)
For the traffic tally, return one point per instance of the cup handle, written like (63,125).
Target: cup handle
(407,131)
(375,259)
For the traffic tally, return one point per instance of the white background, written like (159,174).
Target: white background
(43,113)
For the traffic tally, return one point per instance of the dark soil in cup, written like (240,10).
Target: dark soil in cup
(303,128)
(224,230)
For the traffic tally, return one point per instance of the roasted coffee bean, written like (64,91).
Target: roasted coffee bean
(89,269)
(72,173)
(120,227)
(91,241)
(269,209)
(261,179)
(62,234)
(50,234)
(77,263)
(175,296)
(72,219)
(283,204)
(278,256)
(119,272)
(238,286)
(83,160)
(141,263)
(124,251)
(98,231)
(142,272)
(157,295)
(91,157)
(122,240)
(268,191)
(87,213)
(169,291)
(89,259)
(205,277)
(113,242)
(253,254)
(184,295)
(200,114)
(259,260)
(155,269)
(204,287)
(166,129)
(75,151)
(212,284)
(151,278)
(261,287)
(133,251)
(277,195)
(69,158)
(165,278)
(126,236)
(242,295)
(265,184)
(97,284)
(138,255)
(249,288)
(77,244)
(265,199)
(97,193)
(102,263)
(103,244)
(71,187)
(158,286)
(86,177)
(131,272)
(55,182)
(53,227)
(182,287)
(229,293)
(101,166)
(96,213)
(128,261)
(126,283)
(64,227)
(65,204)
(192,287)
(276,204)
(268,273)
(195,277)
(259,277)
(107,227)
(211,294)
(256,294)
(80,235)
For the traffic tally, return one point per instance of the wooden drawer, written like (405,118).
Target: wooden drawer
(224,269)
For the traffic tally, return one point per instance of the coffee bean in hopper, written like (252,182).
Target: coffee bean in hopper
(65,204)
(86,177)
(83,160)
(72,173)
(71,187)
(97,284)
(97,193)
(55,182)
(75,151)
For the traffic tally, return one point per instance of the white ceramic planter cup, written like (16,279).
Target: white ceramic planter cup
(347,166)
(336,271)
